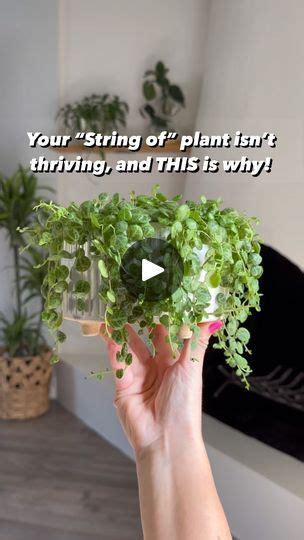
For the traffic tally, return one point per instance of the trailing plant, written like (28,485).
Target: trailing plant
(98,113)
(164,98)
(111,224)
(21,335)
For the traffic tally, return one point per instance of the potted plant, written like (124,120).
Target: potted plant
(97,113)
(98,233)
(164,99)
(25,369)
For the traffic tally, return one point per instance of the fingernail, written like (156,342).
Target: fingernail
(215,326)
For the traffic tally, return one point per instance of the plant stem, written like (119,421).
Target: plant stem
(17,278)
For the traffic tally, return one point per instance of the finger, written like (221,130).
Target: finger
(104,335)
(128,375)
(161,342)
(185,354)
(138,368)
(137,345)
(201,343)
(113,348)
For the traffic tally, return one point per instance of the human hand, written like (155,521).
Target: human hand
(159,398)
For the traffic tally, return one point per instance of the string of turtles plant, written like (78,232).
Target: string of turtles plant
(110,224)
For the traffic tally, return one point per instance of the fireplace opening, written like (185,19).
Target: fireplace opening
(272,411)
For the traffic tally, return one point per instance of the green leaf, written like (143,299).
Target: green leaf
(149,90)
(241,362)
(54,359)
(60,336)
(243,335)
(103,269)
(214,279)
(176,94)
(202,296)
(221,299)
(82,263)
(82,286)
(255,259)
(111,296)
(160,70)
(45,239)
(119,373)
(165,320)
(135,232)
(176,228)
(54,301)
(60,287)
(191,224)
(231,327)
(149,110)
(242,315)
(117,336)
(183,212)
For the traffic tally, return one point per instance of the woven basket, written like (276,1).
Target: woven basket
(24,386)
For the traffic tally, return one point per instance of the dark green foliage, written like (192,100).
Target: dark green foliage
(98,113)
(111,224)
(18,195)
(164,98)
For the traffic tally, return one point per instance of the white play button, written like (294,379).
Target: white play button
(150,270)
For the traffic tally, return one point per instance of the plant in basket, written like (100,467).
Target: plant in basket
(25,369)
(87,246)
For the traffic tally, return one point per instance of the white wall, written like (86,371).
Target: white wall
(107,46)
(253,81)
(29,93)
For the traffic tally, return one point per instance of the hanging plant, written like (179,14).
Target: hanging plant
(96,234)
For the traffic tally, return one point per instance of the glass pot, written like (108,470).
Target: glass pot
(90,319)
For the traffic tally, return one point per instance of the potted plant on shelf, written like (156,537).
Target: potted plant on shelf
(97,113)
(25,370)
(164,99)
(87,242)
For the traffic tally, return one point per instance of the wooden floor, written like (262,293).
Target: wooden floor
(61,481)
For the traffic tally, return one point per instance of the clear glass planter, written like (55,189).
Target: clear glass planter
(91,318)
(95,308)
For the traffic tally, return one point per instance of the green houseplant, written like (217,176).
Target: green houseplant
(98,233)
(163,99)
(24,359)
(98,113)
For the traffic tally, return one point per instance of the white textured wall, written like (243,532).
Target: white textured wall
(253,81)
(107,46)
(29,93)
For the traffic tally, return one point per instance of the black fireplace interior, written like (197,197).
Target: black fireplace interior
(276,340)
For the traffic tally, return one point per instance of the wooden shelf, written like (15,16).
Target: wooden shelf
(171,147)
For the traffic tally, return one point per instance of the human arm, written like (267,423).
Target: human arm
(159,404)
